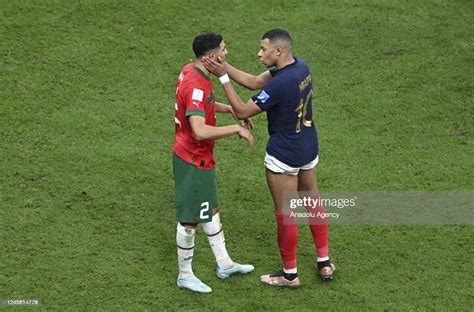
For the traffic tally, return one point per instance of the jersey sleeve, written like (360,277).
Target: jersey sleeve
(272,94)
(194,102)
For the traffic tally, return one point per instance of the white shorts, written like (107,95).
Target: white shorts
(274,165)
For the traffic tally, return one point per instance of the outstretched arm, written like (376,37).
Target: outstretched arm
(245,79)
(201,131)
(224,108)
(241,110)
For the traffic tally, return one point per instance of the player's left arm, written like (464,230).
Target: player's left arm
(241,110)
(224,108)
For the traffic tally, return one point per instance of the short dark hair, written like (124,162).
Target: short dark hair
(206,42)
(277,34)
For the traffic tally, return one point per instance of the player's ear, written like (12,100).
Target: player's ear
(278,51)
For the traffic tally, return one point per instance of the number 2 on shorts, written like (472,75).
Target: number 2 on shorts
(204,210)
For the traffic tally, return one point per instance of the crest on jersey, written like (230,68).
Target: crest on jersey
(210,98)
(263,96)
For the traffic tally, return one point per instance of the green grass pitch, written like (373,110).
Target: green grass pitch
(86,127)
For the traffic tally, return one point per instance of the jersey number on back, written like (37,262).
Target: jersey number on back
(302,110)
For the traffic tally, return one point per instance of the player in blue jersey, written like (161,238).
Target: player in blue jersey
(286,93)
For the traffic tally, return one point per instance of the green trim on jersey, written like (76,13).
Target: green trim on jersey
(195,112)
(201,73)
(196,192)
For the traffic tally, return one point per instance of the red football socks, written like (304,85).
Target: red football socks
(319,229)
(287,240)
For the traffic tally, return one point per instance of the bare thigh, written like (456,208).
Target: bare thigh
(307,180)
(279,184)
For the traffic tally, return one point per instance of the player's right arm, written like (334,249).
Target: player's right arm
(202,131)
(247,80)
(244,79)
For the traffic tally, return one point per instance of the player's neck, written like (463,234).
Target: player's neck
(284,61)
(201,66)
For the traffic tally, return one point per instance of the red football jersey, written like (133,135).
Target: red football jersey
(194,96)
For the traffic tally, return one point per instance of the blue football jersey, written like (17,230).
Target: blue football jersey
(287,99)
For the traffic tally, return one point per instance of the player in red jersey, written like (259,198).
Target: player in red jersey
(194,165)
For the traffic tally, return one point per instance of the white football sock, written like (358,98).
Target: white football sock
(290,271)
(185,241)
(215,234)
